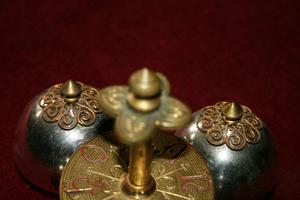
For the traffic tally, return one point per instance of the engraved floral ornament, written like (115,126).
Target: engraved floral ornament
(66,114)
(98,169)
(218,130)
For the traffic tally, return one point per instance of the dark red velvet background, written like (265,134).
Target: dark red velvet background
(246,51)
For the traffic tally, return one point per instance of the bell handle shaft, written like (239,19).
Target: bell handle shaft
(140,157)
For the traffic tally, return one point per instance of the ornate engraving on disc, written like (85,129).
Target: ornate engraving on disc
(235,135)
(94,171)
(68,115)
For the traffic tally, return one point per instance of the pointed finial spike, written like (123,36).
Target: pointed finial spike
(71,89)
(145,74)
(144,83)
(232,111)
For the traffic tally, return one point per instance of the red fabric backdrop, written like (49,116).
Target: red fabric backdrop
(246,51)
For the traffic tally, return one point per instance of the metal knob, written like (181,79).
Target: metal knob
(159,166)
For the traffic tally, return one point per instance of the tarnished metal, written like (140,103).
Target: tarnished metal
(51,129)
(247,172)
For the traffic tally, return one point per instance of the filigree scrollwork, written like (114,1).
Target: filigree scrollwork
(68,115)
(235,135)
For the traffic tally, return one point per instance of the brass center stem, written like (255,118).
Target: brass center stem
(140,157)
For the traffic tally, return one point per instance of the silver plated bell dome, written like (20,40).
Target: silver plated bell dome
(53,125)
(238,149)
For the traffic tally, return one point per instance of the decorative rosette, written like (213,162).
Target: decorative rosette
(234,133)
(68,114)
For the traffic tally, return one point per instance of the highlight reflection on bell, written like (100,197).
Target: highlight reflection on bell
(53,125)
(237,147)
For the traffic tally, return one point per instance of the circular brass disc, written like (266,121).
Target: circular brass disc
(93,172)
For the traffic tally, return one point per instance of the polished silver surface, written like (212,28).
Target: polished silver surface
(42,149)
(245,174)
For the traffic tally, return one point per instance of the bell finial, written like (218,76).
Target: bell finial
(145,83)
(71,90)
(232,111)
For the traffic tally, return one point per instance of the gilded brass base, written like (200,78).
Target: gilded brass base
(98,169)
(130,191)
